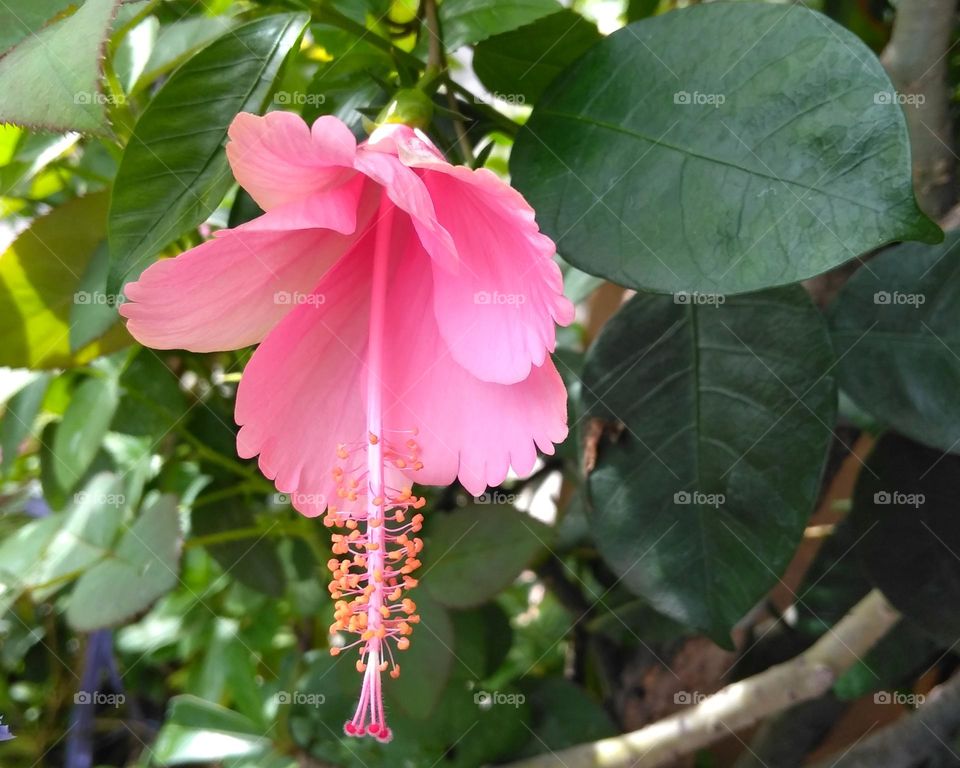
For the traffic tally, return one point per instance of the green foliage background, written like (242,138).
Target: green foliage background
(161,604)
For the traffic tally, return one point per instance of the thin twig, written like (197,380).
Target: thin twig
(741,704)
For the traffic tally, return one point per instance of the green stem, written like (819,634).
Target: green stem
(324,14)
(237,534)
(220,460)
(224,493)
(502,122)
(118,108)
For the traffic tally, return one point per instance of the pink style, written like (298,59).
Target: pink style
(405,310)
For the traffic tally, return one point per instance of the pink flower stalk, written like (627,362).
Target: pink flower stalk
(405,310)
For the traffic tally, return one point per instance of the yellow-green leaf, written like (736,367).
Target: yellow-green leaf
(39,275)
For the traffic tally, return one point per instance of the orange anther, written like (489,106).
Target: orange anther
(402,644)
(395,672)
(361,667)
(334,651)
(373,439)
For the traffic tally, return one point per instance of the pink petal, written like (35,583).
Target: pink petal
(407,191)
(230,291)
(278,159)
(336,207)
(498,312)
(302,391)
(468,428)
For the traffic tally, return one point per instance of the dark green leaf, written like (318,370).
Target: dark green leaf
(565,715)
(641,9)
(427,663)
(483,638)
(83,427)
(93,312)
(244,209)
(897,338)
(774,154)
(53,492)
(141,568)
(472,554)
(170,179)
(469,21)
(152,404)
(904,506)
(716,424)
(524,61)
(348,84)
(477,726)
(254,561)
(636,623)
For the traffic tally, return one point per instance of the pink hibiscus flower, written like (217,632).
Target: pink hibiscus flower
(405,310)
